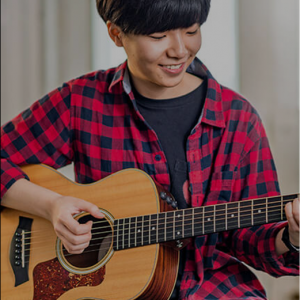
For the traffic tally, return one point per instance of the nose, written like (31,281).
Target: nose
(177,47)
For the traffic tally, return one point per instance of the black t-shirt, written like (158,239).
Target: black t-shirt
(173,121)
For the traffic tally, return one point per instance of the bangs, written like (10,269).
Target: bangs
(149,16)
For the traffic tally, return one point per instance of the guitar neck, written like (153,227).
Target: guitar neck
(185,223)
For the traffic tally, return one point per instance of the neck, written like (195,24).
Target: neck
(180,224)
(156,92)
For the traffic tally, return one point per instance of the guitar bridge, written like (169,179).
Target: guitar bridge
(20,250)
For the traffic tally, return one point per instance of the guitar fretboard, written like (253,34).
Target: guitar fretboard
(185,223)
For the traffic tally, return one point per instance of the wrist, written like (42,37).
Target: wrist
(286,240)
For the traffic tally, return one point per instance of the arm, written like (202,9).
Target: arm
(42,134)
(260,246)
(59,210)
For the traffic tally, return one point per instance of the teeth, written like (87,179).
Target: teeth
(173,67)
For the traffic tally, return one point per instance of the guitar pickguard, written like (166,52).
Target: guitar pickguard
(51,280)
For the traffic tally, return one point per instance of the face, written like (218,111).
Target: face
(158,62)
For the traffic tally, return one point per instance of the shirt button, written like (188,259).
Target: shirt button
(157,157)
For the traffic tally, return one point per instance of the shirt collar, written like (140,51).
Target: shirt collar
(120,76)
(212,113)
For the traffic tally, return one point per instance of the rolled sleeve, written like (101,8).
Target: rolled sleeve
(40,134)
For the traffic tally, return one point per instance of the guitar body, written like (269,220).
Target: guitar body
(147,272)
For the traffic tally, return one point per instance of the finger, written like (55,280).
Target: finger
(73,249)
(290,217)
(76,228)
(92,209)
(74,243)
(296,210)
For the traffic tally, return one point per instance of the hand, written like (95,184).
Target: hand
(292,214)
(74,236)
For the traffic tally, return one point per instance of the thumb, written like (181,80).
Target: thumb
(92,209)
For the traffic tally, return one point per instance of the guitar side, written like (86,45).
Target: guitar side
(138,273)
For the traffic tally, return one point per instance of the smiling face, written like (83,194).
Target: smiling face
(158,62)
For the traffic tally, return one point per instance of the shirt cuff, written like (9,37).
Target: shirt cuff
(10,173)
(286,264)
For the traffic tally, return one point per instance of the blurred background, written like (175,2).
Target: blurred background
(249,46)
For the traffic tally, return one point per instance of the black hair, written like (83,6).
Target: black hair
(149,16)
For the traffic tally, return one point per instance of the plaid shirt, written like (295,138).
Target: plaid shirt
(94,122)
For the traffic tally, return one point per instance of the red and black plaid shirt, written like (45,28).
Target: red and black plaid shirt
(93,121)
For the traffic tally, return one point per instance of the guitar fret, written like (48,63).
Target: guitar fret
(259,213)
(153,229)
(161,237)
(126,233)
(165,226)
(281,208)
(214,218)
(129,230)
(232,215)
(266,210)
(203,232)
(149,230)
(252,213)
(188,225)
(132,232)
(226,222)
(142,229)
(146,231)
(244,215)
(208,219)
(174,220)
(198,220)
(193,222)
(156,228)
(117,234)
(135,235)
(169,228)
(220,221)
(178,224)
(121,235)
(274,210)
(239,220)
(182,232)
(139,231)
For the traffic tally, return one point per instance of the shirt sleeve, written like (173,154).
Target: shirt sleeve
(256,178)
(40,134)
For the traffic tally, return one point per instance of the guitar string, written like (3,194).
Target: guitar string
(130,246)
(207,227)
(197,215)
(209,206)
(209,214)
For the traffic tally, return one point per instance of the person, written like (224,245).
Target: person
(161,111)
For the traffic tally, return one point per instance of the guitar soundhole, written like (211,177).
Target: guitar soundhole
(99,247)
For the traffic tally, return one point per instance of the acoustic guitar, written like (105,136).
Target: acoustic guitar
(133,252)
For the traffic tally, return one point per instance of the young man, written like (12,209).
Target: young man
(163,112)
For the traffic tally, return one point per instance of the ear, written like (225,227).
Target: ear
(115,33)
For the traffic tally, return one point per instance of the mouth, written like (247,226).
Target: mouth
(173,68)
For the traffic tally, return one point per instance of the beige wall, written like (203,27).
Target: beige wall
(255,51)
(43,44)
(269,78)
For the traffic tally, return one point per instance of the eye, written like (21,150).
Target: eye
(192,32)
(156,37)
